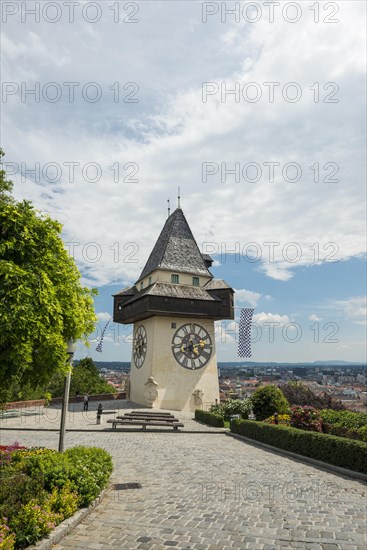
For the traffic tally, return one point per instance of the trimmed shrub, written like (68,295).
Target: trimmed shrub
(267,400)
(327,448)
(209,418)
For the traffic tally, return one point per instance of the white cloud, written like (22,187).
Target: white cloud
(104,316)
(314,317)
(278,320)
(247,296)
(225,333)
(354,308)
(171,132)
(279,271)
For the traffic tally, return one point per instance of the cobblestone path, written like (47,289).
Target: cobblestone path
(211,492)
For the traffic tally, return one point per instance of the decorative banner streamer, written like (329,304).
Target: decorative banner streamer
(244,332)
(100,344)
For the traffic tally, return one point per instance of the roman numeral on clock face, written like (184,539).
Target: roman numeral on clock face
(139,346)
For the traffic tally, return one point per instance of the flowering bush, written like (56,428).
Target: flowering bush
(349,424)
(7,452)
(64,501)
(306,418)
(34,522)
(92,469)
(10,448)
(232,406)
(21,453)
(40,488)
(7,538)
(284,419)
(17,488)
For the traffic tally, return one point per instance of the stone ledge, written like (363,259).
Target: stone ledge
(57,400)
(324,465)
(219,431)
(66,526)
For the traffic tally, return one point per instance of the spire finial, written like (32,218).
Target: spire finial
(178,198)
(169,207)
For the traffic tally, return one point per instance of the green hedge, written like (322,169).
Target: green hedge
(209,418)
(346,453)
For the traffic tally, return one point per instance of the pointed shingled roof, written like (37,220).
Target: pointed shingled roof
(176,249)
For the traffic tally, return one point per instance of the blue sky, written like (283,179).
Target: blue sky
(309,317)
(259,117)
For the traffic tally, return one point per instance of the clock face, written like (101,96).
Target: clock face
(191,346)
(139,346)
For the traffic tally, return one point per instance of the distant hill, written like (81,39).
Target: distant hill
(124,366)
(283,364)
(113,365)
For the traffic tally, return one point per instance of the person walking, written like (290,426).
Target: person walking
(86,402)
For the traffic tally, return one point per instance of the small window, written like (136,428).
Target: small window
(119,307)
(175,278)
(173,325)
(195,281)
(142,285)
(150,281)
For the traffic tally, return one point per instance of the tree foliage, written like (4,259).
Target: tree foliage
(267,400)
(42,302)
(297,393)
(85,378)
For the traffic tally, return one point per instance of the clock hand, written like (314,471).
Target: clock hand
(189,347)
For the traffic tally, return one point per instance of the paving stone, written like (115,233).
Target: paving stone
(327,534)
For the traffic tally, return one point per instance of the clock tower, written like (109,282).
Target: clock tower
(173,306)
